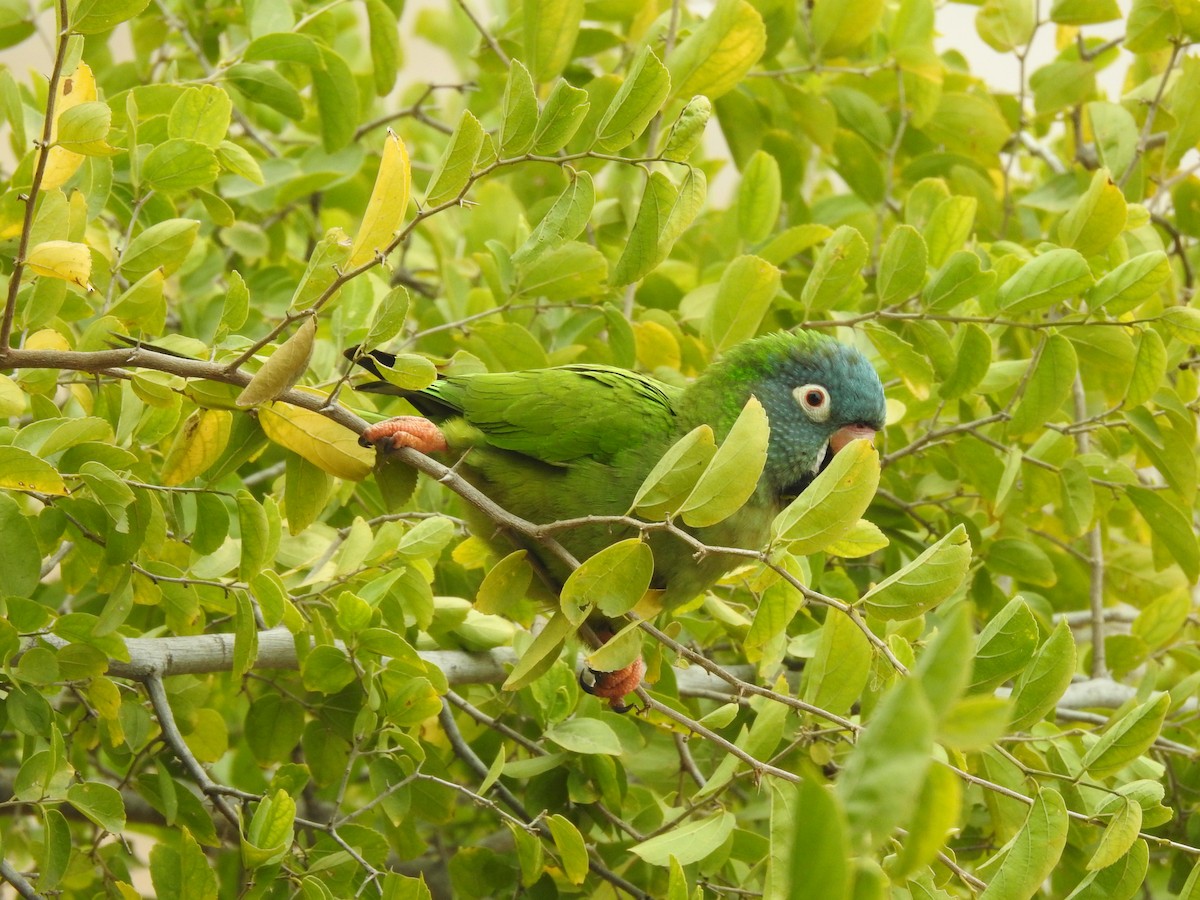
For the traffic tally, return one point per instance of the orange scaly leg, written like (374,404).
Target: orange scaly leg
(405,431)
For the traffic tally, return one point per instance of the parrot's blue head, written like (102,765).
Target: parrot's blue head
(818,394)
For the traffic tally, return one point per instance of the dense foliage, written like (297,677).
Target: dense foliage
(228,634)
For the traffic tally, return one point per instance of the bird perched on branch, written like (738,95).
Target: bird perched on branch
(575,441)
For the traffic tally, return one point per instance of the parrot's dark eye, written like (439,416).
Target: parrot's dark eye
(814,400)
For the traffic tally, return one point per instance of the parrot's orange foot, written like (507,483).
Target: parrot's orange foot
(404,431)
(613,686)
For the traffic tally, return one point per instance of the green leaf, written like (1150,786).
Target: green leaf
(1096,218)
(564,222)
(271,831)
(337,100)
(520,117)
(744,295)
(1084,12)
(571,848)
(505,584)
(688,843)
(179,165)
(386,54)
(971,364)
(612,581)
(829,508)
(327,669)
(731,476)
(1043,681)
(1054,276)
(959,279)
(717,54)
(98,16)
(452,174)
(1183,322)
(882,777)
(389,319)
(943,670)
(1006,645)
(925,582)
(839,27)
(1127,738)
(837,270)
(569,272)
(563,113)
(639,99)
(550,29)
(1006,25)
(1170,527)
(1121,881)
(1126,286)
(589,736)
(1049,385)
(809,844)
(674,476)
(200,114)
(836,675)
(1114,127)
(266,86)
(1119,835)
(949,227)
(938,812)
(687,132)
(1034,852)
(540,655)
(182,871)
(758,198)
(21,561)
(901,266)
(101,803)
(163,245)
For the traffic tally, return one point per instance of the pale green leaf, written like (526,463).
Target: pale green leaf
(925,582)
(732,474)
(829,508)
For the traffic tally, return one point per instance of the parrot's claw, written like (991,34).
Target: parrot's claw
(613,686)
(404,431)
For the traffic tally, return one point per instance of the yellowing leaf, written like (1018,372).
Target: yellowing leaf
(283,368)
(74,89)
(829,508)
(863,539)
(20,470)
(713,59)
(612,581)
(197,446)
(62,259)
(388,203)
(320,440)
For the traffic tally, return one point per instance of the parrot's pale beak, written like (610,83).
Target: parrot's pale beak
(849,433)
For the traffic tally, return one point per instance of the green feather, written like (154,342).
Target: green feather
(574,441)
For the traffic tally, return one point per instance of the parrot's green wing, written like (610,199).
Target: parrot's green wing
(560,415)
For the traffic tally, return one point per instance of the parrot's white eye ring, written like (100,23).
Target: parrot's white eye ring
(814,400)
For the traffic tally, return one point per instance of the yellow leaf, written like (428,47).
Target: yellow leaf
(284,367)
(389,202)
(62,259)
(20,470)
(77,88)
(320,440)
(197,446)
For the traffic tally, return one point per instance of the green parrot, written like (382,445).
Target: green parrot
(579,440)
